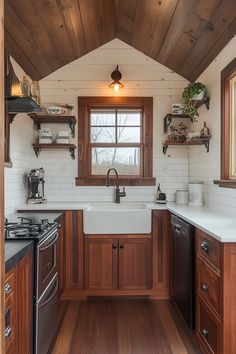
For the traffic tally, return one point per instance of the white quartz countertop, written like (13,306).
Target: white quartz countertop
(79,206)
(214,221)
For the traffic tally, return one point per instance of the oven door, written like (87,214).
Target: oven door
(46,262)
(47,317)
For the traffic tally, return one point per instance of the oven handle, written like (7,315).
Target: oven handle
(50,244)
(51,297)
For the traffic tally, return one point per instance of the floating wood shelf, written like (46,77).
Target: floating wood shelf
(205,101)
(53,118)
(70,147)
(194,141)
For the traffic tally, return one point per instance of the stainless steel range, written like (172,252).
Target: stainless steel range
(44,234)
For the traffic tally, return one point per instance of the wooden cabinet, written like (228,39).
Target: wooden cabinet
(74,251)
(161,253)
(25,305)
(19,307)
(135,263)
(216,294)
(117,263)
(101,257)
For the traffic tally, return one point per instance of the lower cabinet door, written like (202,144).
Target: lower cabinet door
(135,264)
(101,263)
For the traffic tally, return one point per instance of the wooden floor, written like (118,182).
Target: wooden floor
(122,327)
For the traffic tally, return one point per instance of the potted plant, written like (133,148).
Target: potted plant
(192,93)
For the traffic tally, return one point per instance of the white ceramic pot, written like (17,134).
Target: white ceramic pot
(196,193)
(199,96)
(182,196)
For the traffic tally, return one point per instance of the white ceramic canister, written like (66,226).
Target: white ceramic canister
(196,193)
(182,196)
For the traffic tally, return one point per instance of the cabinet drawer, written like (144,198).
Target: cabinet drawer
(208,248)
(208,328)
(208,283)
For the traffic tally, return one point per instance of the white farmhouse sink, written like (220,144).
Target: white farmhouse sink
(111,218)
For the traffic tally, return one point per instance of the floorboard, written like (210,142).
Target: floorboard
(131,326)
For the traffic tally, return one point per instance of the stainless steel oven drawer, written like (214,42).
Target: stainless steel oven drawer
(46,317)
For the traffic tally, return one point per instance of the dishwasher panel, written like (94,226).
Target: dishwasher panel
(183,268)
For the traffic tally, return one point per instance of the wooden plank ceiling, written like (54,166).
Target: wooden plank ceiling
(184,35)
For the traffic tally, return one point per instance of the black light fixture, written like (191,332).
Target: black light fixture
(116,77)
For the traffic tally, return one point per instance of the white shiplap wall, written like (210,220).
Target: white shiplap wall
(22,156)
(204,166)
(90,76)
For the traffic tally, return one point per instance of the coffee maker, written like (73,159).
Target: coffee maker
(36,186)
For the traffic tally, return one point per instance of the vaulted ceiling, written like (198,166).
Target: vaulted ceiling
(184,35)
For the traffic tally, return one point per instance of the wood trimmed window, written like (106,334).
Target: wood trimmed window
(228,126)
(128,140)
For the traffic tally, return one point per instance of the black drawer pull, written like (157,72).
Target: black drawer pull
(8,332)
(114,246)
(204,246)
(122,246)
(204,332)
(205,287)
(7,288)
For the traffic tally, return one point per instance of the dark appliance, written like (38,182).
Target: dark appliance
(44,234)
(183,268)
(36,186)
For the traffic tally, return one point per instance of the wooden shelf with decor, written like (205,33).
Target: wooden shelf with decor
(71,147)
(56,119)
(194,141)
(168,118)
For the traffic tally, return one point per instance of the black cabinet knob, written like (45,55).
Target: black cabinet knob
(204,246)
(122,245)
(204,332)
(114,246)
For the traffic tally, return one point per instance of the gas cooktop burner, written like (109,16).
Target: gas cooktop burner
(26,229)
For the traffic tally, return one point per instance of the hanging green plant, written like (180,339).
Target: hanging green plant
(192,93)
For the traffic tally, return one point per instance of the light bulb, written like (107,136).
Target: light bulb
(116,87)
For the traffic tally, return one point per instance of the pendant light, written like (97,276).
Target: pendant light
(116,77)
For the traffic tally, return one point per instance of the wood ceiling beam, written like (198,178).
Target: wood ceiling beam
(184,35)
(126,12)
(73,23)
(152,21)
(193,28)
(212,39)
(16,52)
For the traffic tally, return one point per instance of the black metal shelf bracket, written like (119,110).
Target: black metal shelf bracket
(72,153)
(207,102)
(167,122)
(37,151)
(72,128)
(206,143)
(164,148)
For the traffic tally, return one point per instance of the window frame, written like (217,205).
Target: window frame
(85,104)
(227,74)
